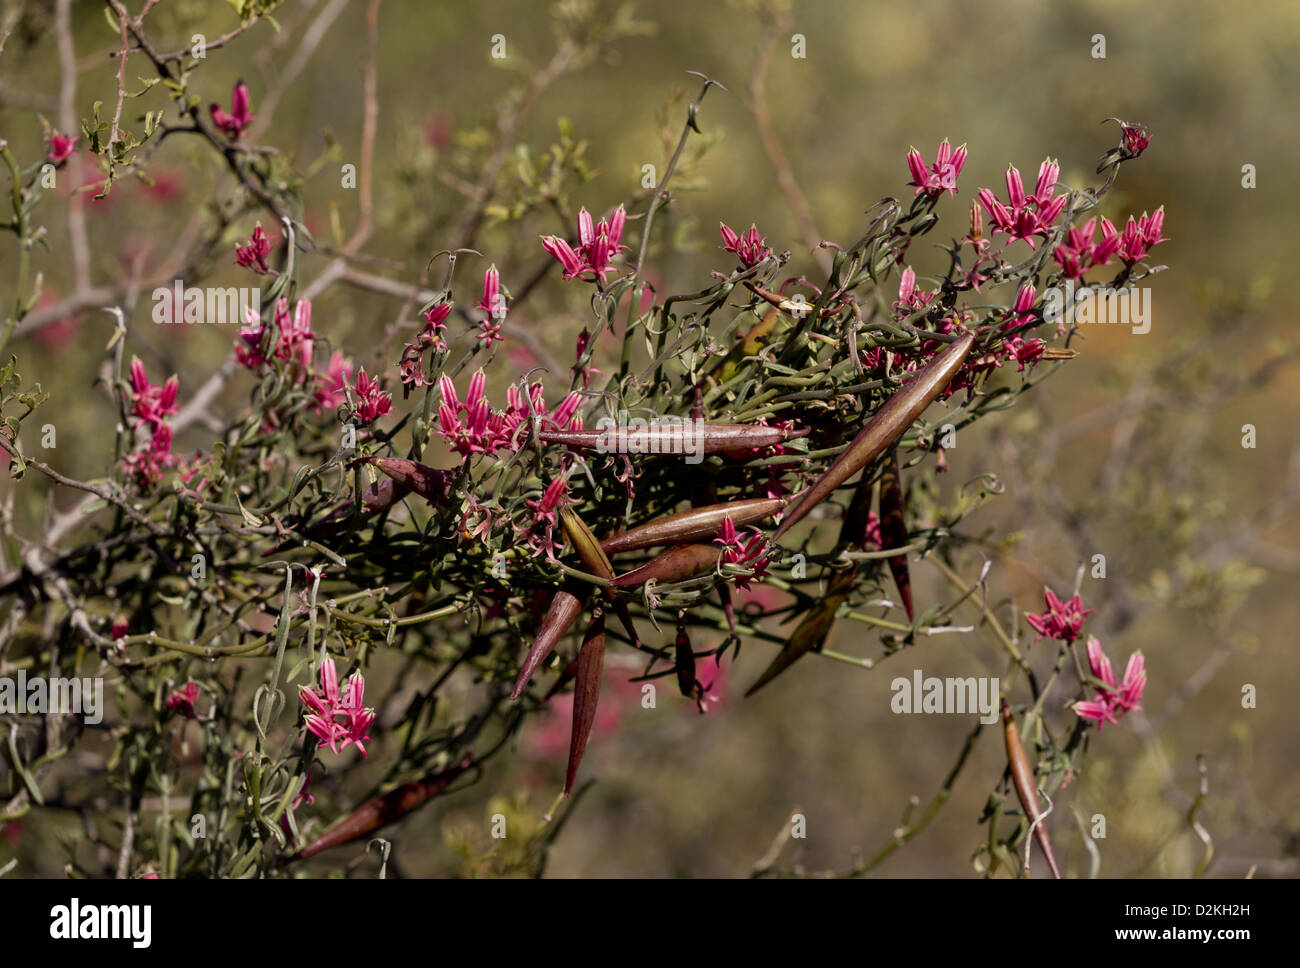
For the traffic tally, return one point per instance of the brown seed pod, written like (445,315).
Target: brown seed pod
(381,811)
(595,560)
(559,618)
(712,438)
(675,564)
(1022,775)
(883,429)
(893,528)
(693,524)
(586,694)
(430,483)
(811,632)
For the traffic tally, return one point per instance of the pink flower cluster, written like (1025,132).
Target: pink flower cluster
(750,247)
(939,177)
(598,244)
(293,340)
(471,426)
(253,253)
(1141,235)
(1025,216)
(240,116)
(1062,620)
(151,405)
(1115,699)
(750,552)
(1082,251)
(327,706)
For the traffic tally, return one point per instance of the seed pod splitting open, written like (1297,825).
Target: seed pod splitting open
(1022,775)
(883,429)
(693,524)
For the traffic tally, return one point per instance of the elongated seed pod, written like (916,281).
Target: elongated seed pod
(709,438)
(559,618)
(585,544)
(586,694)
(810,634)
(596,561)
(691,525)
(883,429)
(381,811)
(684,661)
(1022,775)
(893,528)
(430,483)
(675,564)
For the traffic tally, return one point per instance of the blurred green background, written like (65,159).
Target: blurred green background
(1132,451)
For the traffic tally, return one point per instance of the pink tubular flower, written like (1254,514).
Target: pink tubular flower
(61,147)
(1021,311)
(372,402)
(1114,700)
(598,244)
(330,386)
(252,255)
(750,552)
(540,532)
(1025,351)
(939,177)
(234,123)
(1062,620)
(182,700)
(493,303)
(327,706)
(910,299)
(749,247)
(152,404)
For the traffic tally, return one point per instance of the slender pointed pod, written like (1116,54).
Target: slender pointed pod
(810,634)
(671,438)
(381,811)
(693,524)
(884,429)
(675,564)
(893,528)
(1022,775)
(430,483)
(684,661)
(596,562)
(565,608)
(586,694)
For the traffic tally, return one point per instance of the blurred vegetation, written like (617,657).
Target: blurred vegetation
(1134,451)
